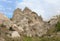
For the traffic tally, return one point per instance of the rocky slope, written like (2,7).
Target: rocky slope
(26,23)
(30,22)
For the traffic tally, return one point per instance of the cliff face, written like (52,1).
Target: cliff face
(26,23)
(5,21)
(30,22)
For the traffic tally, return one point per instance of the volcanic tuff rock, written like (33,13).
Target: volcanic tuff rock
(26,23)
(5,21)
(6,26)
(30,22)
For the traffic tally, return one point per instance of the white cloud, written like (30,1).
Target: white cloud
(32,4)
(46,8)
(53,1)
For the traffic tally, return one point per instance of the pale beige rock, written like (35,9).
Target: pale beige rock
(29,22)
(5,21)
(27,10)
(15,34)
(2,39)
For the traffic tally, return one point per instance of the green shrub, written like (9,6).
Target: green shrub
(58,26)
(25,38)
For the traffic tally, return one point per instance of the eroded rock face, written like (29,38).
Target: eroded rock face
(27,10)
(15,34)
(53,21)
(24,22)
(27,23)
(2,39)
(5,21)
(30,22)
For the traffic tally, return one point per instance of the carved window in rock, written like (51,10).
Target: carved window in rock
(18,25)
(11,29)
(35,17)
(30,21)
(33,28)
(36,35)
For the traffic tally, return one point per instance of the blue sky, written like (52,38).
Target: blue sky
(45,8)
(7,7)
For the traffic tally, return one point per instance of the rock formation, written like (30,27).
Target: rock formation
(26,23)
(30,22)
(6,26)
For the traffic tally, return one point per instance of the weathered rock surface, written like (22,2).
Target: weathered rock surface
(2,39)
(30,22)
(15,34)
(26,23)
(5,21)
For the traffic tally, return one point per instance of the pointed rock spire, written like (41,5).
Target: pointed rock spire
(16,14)
(27,10)
(18,9)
